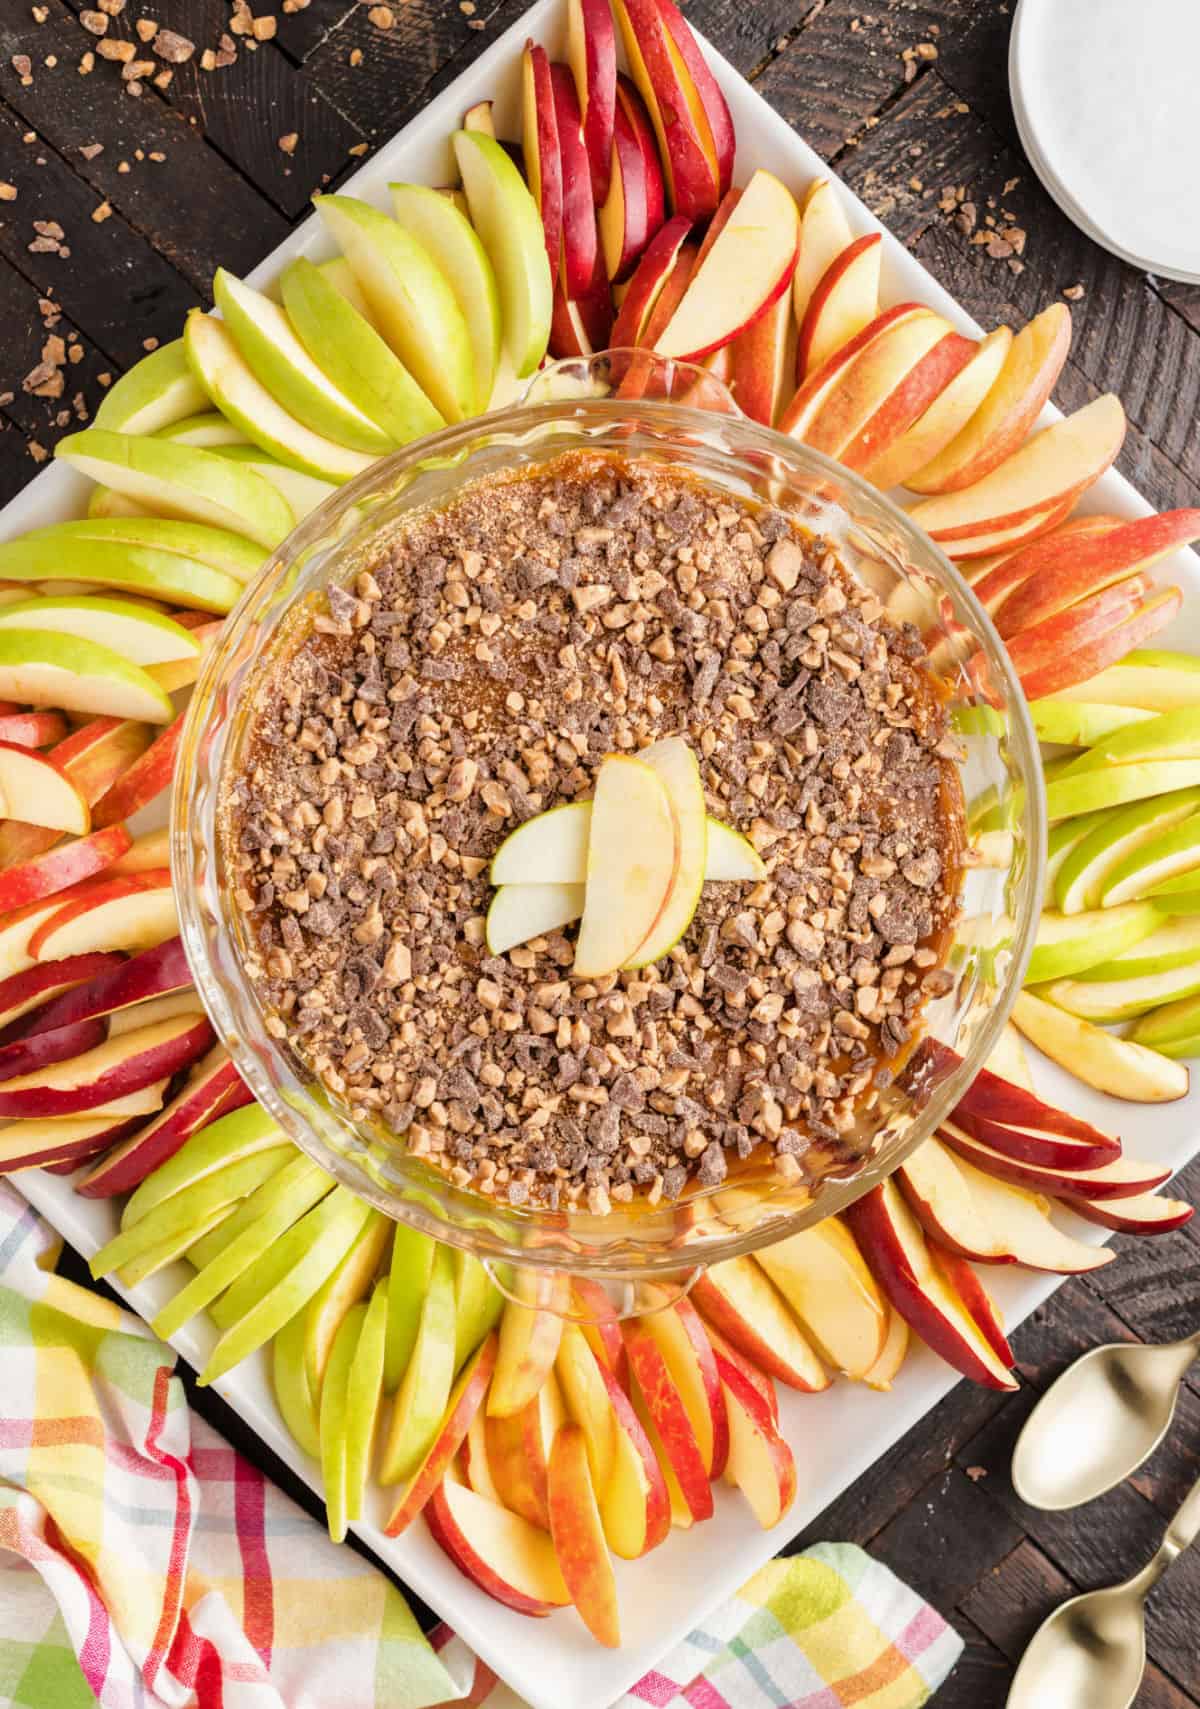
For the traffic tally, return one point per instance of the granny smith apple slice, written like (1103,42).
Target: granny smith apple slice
(520,912)
(1174,944)
(1080,724)
(1168,736)
(54,556)
(265,336)
(105,502)
(42,668)
(1122,1067)
(510,228)
(1089,791)
(1118,840)
(346,346)
(632,859)
(156,391)
(238,1134)
(425,1388)
(340,275)
(141,636)
(295,1400)
(1068,943)
(408,1283)
(331,1419)
(1167,1029)
(181,480)
(1155,680)
(478,1304)
(233,554)
(184,1210)
(450,238)
(364,1393)
(240,395)
(1062,838)
(348,1282)
(1105,1001)
(731,857)
(1170,858)
(548,849)
(205,430)
(677,769)
(411,299)
(303,492)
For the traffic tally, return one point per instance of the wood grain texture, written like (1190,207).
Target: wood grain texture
(939,1507)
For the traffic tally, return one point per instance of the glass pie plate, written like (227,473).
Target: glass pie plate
(575,406)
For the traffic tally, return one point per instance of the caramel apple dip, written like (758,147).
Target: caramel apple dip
(481,673)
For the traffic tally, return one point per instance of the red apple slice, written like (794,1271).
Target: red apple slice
(1000,424)
(652,273)
(1021,1219)
(969,1286)
(147,777)
(709,109)
(693,178)
(898,1254)
(739,1300)
(1089,565)
(938,1194)
(597,1318)
(874,396)
(579,240)
(998,1100)
(543,162)
(92,757)
(820,386)
(27,1056)
(930,376)
(672,1421)
(36,1144)
(886,1368)
(33,729)
(578,1536)
(145,853)
(117,985)
(529,1337)
(1076,664)
(946,416)
(757,1378)
(760,1462)
(40,986)
(136,912)
(844,301)
(16,933)
(35,789)
(213,1088)
(824,235)
(685,1344)
(119,1066)
(1042,1149)
(1148,1213)
(499,1551)
(632,211)
(592,56)
(465,1400)
(762,362)
(61,867)
(1124,1177)
(518,1451)
(748,266)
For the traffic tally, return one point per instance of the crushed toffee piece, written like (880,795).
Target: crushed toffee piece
(477,675)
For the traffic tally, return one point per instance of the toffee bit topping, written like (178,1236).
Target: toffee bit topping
(477,676)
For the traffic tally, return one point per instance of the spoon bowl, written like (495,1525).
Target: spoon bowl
(1090,1654)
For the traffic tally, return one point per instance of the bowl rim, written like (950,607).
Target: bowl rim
(834,1195)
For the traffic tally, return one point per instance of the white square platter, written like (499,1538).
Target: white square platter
(837,1436)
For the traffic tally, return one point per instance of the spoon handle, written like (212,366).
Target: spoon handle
(1182,1531)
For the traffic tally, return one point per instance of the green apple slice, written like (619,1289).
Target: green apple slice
(510,229)
(1062,838)
(1080,724)
(156,391)
(231,554)
(1105,1001)
(348,1282)
(180,480)
(303,492)
(270,1292)
(1153,680)
(293,1396)
(343,343)
(238,1134)
(166,1251)
(239,394)
(425,1387)
(1119,842)
(1068,943)
(1171,858)
(340,275)
(633,856)
(43,668)
(1173,1025)
(549,849)
(1120,1066)
(104,502)
(408,1283)
(439,226)
(364,1393)
(731,857)
(1174,944)
(411,299)
(331,1419)
(141,636)
(1088,791)
(478,1304)
(272,351)
(205,430)
(112,563)
(520,912)
(267,1214)
(183,1210)
(678,771)
(1169,736)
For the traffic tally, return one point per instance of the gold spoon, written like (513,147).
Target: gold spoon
(1098,1422)
(1091,1652)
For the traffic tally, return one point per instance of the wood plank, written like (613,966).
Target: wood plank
(16,466)
(981,1678)
(42,419)
(751,36)
(199,210)
(300,33)
(947,1538)
(114,285)
(243,109)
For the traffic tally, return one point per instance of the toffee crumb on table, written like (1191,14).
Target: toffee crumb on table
(476,676)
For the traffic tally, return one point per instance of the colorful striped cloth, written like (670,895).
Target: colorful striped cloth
(146,1565)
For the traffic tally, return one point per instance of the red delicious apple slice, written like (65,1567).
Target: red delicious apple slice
(582,327)
(61,867)
(213,1088)
(761,362)
(506,1556)
(939,1196)
(1147,1213)
(665,1405)
(36,790)
(592,56)
(632,210)
(1000,424)
(543,163)
(652,273)
(945,417)
(1124,1177)
(896,1250)
(39,986)
(1031,1145)
(820,386)
(135,912)
(844,301)
(1076,664)
(579,240)
(749,265)
(709,109)
(874,396)
(738,1298)
(577,1532)
(33,729)
(998,1100)
(968,1284)
(119,1066)
(693,180)
(760,1462)
(34,1144)
(465,1400)
(147,777)
(1086,566)
(640,377)
(117,984)
(24,1056)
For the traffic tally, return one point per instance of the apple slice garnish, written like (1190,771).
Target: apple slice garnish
(674,763)
(633,855)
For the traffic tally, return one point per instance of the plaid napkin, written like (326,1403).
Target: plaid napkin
(145,1564)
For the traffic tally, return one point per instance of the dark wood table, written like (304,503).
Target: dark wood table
(125,203)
